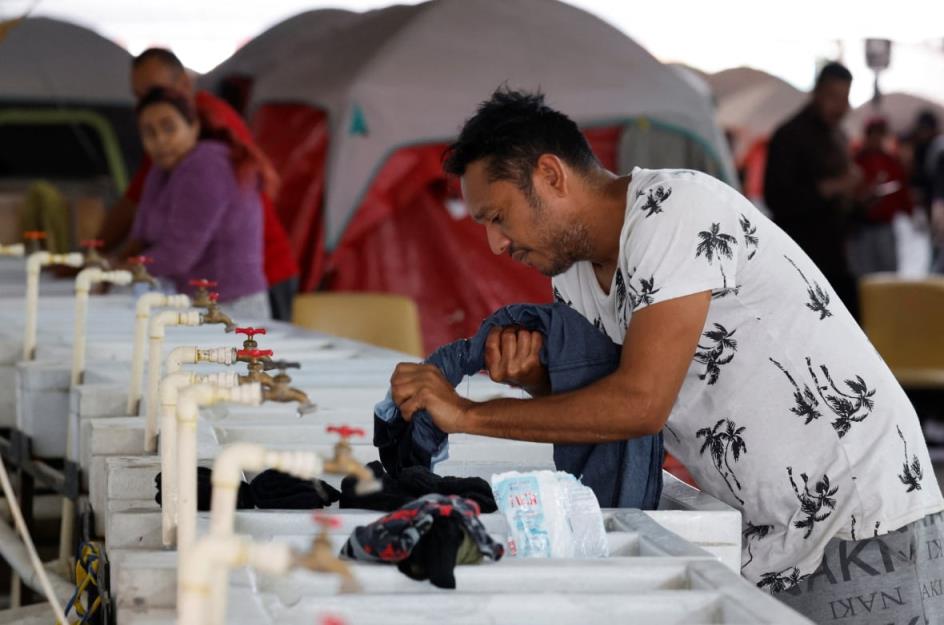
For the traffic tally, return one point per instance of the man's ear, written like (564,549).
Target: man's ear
(551,174)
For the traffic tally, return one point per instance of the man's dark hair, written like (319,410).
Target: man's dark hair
(927,118)
(162,55)
(511,130)
(833,71)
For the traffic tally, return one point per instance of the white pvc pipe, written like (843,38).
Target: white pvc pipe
(35,262)
(142,316)
(214,556)
(188,406)
(227,475)
(83,284)
(170,386)
(180,356)
(155,346)
(228,470)
(16,249)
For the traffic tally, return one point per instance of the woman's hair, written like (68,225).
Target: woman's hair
(163,95)
(250,164)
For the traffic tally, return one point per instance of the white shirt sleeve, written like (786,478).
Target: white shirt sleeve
(679,239)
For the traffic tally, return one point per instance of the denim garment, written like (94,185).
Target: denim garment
(622,474)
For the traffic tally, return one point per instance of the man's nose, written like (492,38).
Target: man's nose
(497,241)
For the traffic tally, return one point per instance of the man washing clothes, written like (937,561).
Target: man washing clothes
(733,343)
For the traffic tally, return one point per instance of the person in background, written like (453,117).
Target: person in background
(884,194)
(199,208)
(932,166)
(922,135)
(810,181)
(157,67)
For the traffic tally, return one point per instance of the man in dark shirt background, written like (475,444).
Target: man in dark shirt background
(811,181)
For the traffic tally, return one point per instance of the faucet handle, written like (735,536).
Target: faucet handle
(282,365)
(92,244)
(345,431)
(34,235)
(203,283)
(140,260)
(254,353)
(326,521)
(250,332)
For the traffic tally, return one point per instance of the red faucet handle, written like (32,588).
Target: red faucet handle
(345,431)
(34,235)
(326,520)
(92,244)
(254,353)
(250,332)
(332,620)
(214,296)
(140,260)
(203,283)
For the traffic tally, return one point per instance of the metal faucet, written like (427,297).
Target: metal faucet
(215,315)
(320,556)
(251,343)
(201,293)
(253,359)
(139,272)
(343,462)
(274,388)
(34,240)
(92,257)
(280,389)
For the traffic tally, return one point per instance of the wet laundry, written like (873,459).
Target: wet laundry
(271,489)
(426,539)
(411,483)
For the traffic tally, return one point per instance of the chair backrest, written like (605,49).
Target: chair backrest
(381,319)
(904,319)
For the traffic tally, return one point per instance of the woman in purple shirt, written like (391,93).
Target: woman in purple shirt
(197,217)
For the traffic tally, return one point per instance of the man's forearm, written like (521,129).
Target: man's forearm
(601,412)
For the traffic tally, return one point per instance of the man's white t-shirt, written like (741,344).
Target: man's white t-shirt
(787,412)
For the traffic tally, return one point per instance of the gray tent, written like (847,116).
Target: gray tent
(410,75)
(44,59)
(900,109)
(277,44)
(752,104)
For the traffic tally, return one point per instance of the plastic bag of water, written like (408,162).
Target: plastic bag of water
(550,515)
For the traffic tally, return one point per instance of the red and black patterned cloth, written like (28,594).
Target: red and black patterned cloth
(426,538)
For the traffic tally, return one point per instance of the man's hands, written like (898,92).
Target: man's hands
(423,387)
(512,356)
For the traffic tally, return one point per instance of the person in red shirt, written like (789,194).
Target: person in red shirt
(157,67)
(884,193)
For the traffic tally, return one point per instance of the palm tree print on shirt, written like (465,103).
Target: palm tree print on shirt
(629,296)
(720,442)
(716,356)
(560,298)
(750,236)
(819,298)
(912,473)
(817,505)
(715,243)
(806,404)
(849,408)
(780,580)
(751,534)
(654,199)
